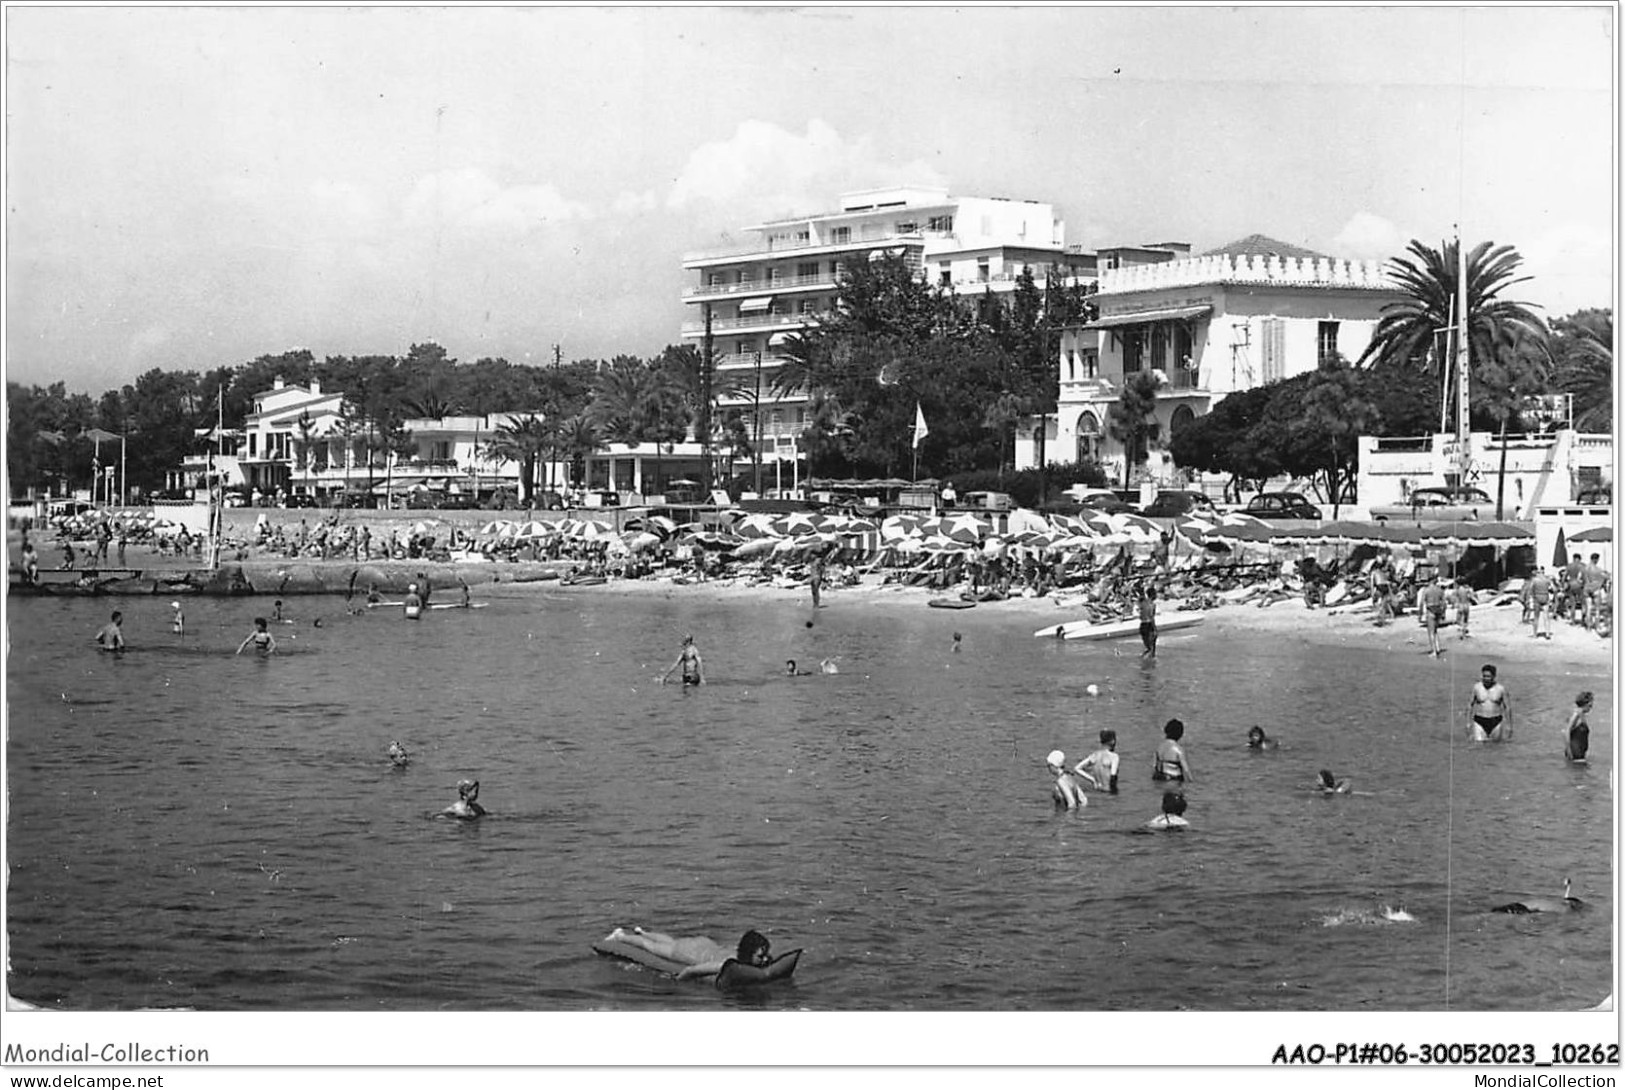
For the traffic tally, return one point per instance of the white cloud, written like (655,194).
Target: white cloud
(767,170)
(469,198)
(1369,237)
(1571,267)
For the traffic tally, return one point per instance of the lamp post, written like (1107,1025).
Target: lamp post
(756,425)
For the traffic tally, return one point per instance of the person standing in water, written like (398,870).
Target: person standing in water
(1148,622)
(1067,789)
(1101,765)
(1490,708)
(111,635)
(261,638)
(466,808)
(1577,735)
(689,660)
(178,622)
(1170,763)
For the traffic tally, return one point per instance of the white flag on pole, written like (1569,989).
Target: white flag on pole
(920,430)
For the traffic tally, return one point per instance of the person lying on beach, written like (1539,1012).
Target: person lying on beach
(1257,739)
(1173,809)
(466,808)
(1327,784)
(701,956)
(1068,788)
(261,638)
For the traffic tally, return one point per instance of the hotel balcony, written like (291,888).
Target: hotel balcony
(766,249)
(820,282)
(750,322)
(1246,269)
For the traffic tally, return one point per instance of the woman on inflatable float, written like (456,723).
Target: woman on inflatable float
(701,956)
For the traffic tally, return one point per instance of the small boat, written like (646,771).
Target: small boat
(1111,630)
(950,603)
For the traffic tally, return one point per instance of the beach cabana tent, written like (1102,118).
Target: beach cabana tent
(1468,534)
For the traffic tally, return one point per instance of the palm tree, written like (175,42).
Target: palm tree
(1409,330)
(1129,419)
(579,437)
(623,394)
(1001,416)
(1584,367)
(523,440)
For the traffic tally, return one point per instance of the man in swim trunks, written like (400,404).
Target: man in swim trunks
(1170,762)
(701,956)
(1100,767)
(1433,613)
(1490,708)
(1462,598)
(689,660)
(111,635)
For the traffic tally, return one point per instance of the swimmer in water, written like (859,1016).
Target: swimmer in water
(1100,767)
(1172,816)
(1258,740)
(111,635)
(1577,735)
(1543,904)
(701,956)
(412,603)
(1170,761)
(791,671)
(261,638)
(689,660)
(178,621)
(827,666)
(276,611)
(398,755)
(1327,784)
(466,808)
(1067,789)
(959,642)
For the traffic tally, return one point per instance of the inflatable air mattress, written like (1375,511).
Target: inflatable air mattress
(736,974)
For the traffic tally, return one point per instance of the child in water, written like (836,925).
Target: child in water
(1068,791)
(1577,735)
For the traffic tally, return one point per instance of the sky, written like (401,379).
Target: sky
(189,188)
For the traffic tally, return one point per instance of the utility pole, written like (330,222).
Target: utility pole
(756,425)
(704,425)
(558,356)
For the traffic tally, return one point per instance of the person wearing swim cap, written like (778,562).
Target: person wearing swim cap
(178,622)
(466,808)
(398,755)
(701,956)
(1067,789)
(1173,810)
(412,604)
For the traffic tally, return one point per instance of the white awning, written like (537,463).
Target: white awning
(777,339)
(889,251)
(1146,316)
(760,305)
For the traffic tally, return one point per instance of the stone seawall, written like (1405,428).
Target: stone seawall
(288,578)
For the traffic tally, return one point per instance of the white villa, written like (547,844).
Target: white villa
(1253,312)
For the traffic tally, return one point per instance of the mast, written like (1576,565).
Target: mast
(216,492)
(1463,364)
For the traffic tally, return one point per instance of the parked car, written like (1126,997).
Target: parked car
(1083,493)
(987,501)
(1282,505)
(1439,505)
(1110,503)
(457,501)
(1173,502)
(300,499)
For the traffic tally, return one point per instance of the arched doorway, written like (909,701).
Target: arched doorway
(1183,416)
(1088,437)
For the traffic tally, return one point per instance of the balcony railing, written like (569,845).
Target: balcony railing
(762,321)
(765,246)
(763,287)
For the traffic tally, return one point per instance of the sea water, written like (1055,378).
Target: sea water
(190,827)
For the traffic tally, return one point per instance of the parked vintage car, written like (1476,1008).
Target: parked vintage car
(1444,504)
(1282,505)
(986,501)
(1173,502)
